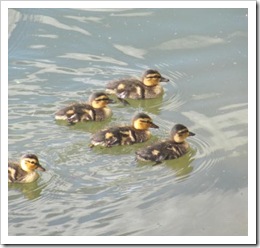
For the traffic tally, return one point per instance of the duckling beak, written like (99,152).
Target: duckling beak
(191,134)
(111,100)
(152,125)
(162,79)
(125,102)
(39,167)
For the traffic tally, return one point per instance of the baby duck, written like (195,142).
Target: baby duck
(95,110)
(24,172)
(148,87)
(169,149)
(125,135)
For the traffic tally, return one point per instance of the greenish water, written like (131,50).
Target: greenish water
(57,56)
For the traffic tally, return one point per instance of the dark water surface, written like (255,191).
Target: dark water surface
(57,56)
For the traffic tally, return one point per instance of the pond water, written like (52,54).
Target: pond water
(58,56)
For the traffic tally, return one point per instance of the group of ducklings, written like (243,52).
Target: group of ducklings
(97,110)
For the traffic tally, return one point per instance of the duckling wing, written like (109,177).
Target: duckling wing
(114,136)
(161,151)
(15,172)
(126,88)
(76,112)
(107,137)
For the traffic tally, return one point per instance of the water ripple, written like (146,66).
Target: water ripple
(205,156)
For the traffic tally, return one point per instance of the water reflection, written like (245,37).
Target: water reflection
(92,57)
(30,191)
(54,22)
(227,130)
(182,166)
(87,126)
(131,51)
(133,14)
(153,106)
(85,19)
(190,42)
(13,18)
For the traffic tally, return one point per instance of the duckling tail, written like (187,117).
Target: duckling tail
(73,119)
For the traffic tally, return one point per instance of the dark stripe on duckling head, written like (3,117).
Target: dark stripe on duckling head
(99,96)
(142,116)
(149,121)
(29,155)
(179,128)
(153,76)
(151,71)
(104,98)
(149,74)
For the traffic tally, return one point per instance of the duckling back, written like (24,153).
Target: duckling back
(17,175)
(95,110)
(82,112)
(148,87)
(162,151)
(173,148)
(127,135)
(127,88)
(120,136)
(76,112)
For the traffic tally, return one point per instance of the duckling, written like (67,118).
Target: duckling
(24,172)
(169,149)
(148,87)
(125,135)
(95,110)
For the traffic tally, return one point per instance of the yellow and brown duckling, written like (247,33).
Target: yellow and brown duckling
(125,135)
(148,87)
(95,110)
(24,171)
(173,148)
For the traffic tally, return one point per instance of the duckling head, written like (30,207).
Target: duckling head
(152,78)
(179,133)
(99,100)
(30,162)
(142,121)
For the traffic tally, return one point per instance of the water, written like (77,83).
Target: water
(57,56)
